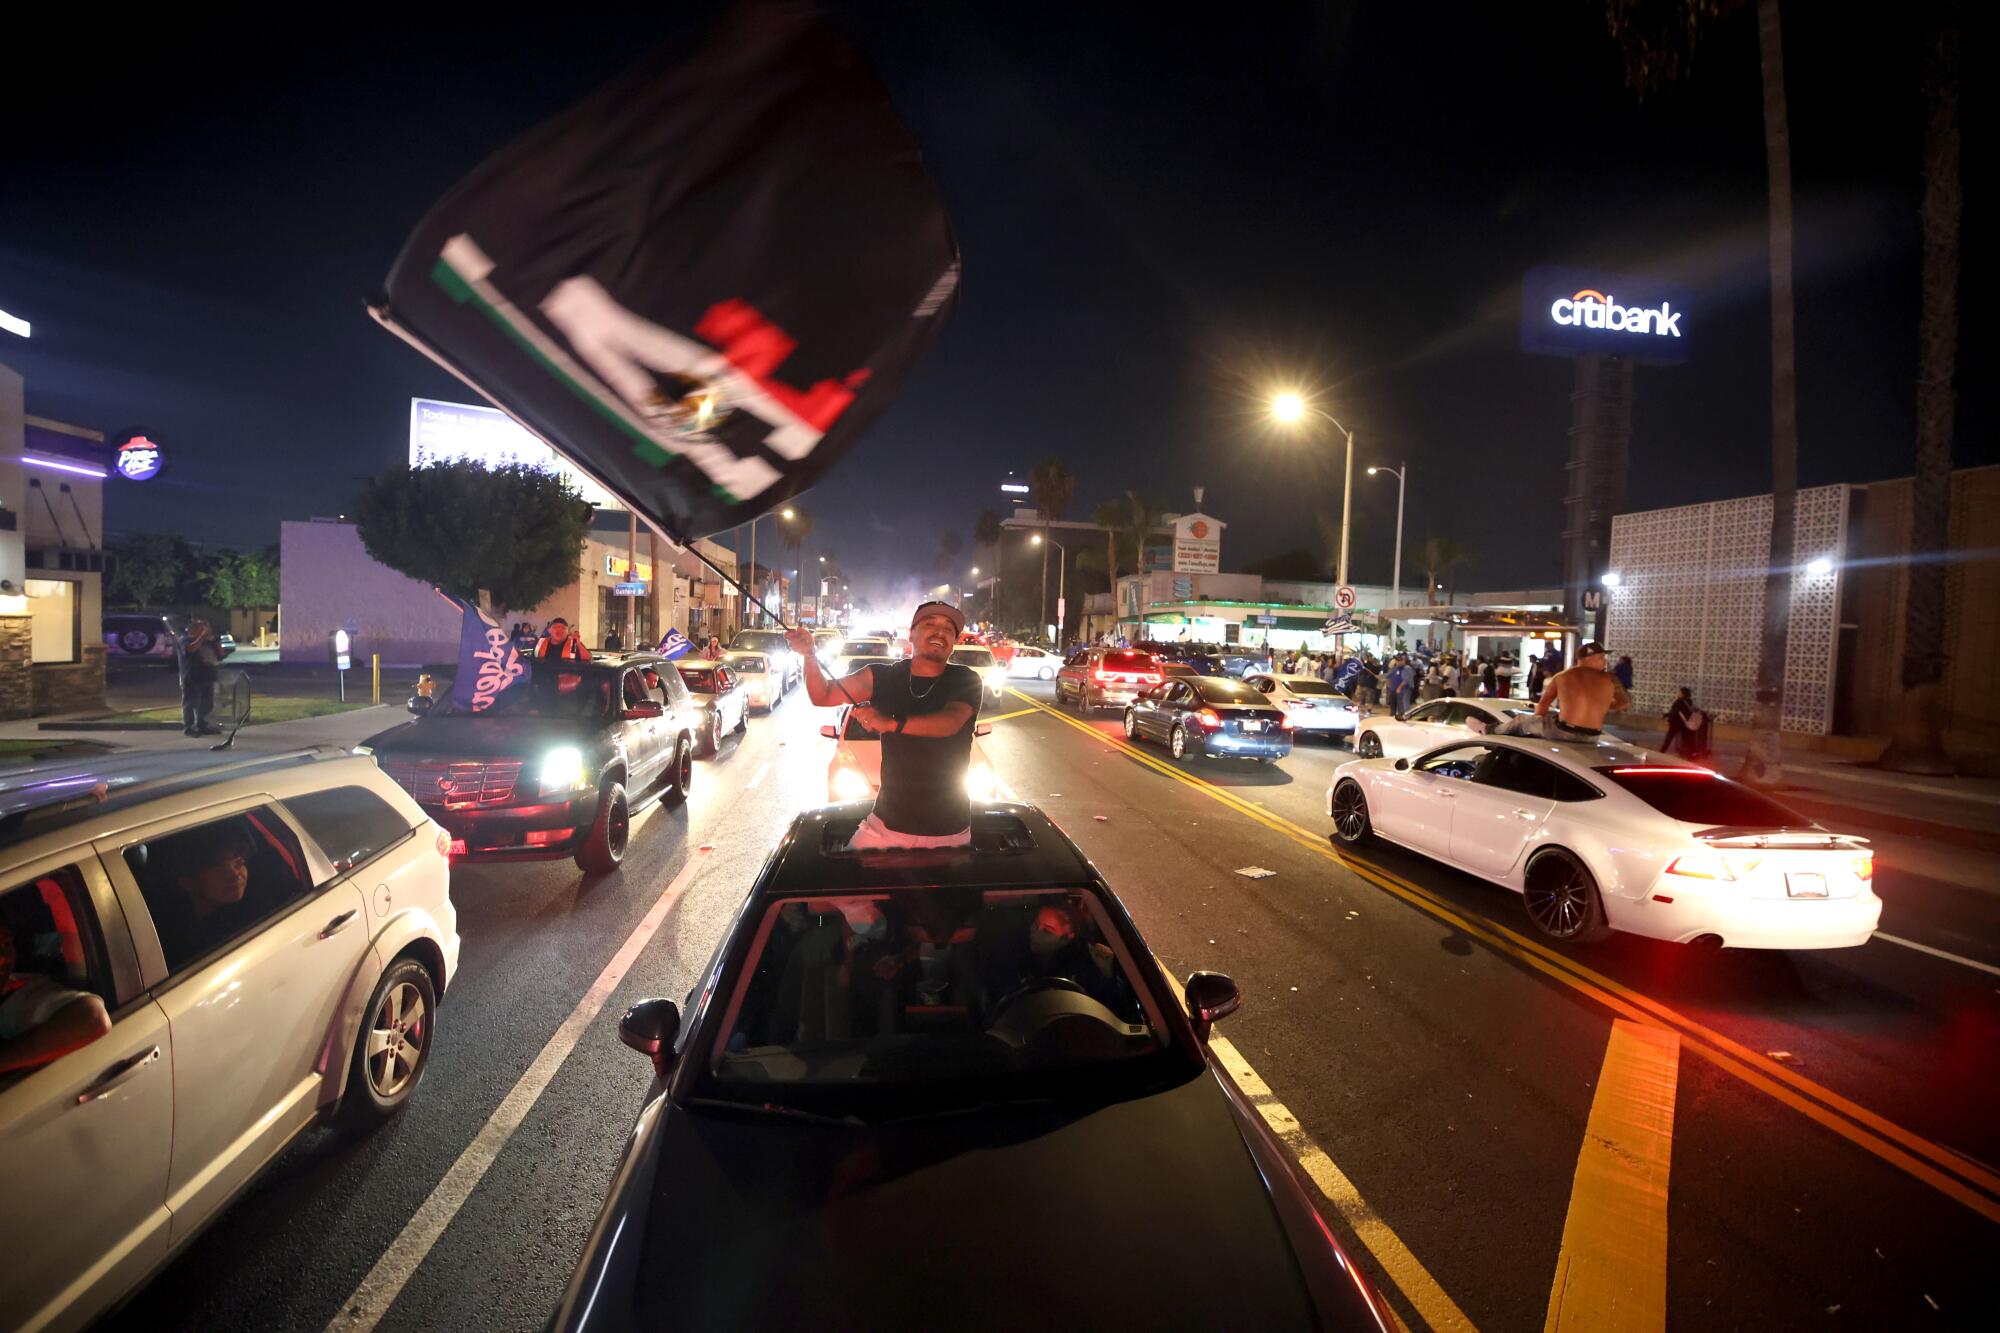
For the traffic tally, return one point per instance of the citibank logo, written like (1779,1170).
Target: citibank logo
(1592,309)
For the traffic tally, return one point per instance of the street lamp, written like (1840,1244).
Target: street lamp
(1396,570)
(1062,576)
(1288,409)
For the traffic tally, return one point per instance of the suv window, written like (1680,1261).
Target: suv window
(351,824)
(52,931)
(216,882)
(1126,660)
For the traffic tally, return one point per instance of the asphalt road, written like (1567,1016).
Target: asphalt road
(1815,1122)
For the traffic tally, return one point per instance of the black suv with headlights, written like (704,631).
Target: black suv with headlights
(557,773)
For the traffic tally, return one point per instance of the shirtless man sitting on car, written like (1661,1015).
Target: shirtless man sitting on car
(1584,694)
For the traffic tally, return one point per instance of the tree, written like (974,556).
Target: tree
(148,570)
(1440,559)
(793,532)
(1918,743)
(1053,486)
(242,580)
(1657,39)
(506,538)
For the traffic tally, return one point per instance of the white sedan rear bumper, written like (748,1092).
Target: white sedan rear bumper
(1752,923)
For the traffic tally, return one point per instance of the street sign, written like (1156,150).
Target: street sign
(1344,597)
(1593,599)
(1265,620)
(1060,617)
(629,589)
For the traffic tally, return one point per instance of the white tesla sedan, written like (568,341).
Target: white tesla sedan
(854,773)
(1310,704)
(1382,736)
(1607,836)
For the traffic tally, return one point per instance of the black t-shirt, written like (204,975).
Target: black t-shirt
(923,777)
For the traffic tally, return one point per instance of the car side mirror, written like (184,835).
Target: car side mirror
(419,705)
(1402,765)
(983,729)
(644,709)
(828,730)
(1210,997)
(649,1027)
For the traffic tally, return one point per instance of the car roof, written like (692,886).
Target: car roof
(702,663)
(1585,755)
(37,798)
(609,660)
(1013,845)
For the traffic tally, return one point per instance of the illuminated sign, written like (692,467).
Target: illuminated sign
(1014,488)
(13,324)
(465,433)
(1197,544)
(618,567)
(1576,312)
(137,458)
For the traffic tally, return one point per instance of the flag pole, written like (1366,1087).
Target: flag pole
(730,579)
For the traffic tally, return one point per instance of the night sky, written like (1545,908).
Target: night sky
(1159,219)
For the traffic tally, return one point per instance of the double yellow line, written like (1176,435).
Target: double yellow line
(1952,1175)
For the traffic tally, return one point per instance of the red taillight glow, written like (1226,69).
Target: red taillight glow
(542,837)
(1688,772)
(1208,718)
(1864,867)
(1700,865)
(457,847)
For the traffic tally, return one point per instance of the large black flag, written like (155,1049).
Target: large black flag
(703,282)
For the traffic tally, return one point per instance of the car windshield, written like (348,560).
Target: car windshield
(759,641)
(1306,685)
(1697,796)
(1227,692)
(557,690)
(864,647)
(923,989)
(699,679)
(744,662)
(977,658)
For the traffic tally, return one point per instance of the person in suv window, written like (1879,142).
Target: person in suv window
(40,1018)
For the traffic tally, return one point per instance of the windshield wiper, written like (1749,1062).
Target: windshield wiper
(777,1109)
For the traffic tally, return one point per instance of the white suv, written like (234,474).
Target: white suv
(201,955)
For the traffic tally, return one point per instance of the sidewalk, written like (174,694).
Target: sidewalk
(344,730)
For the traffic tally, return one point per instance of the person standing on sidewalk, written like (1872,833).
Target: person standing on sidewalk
(200,660)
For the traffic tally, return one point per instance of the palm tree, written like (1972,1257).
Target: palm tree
(793,532)
(1053,486)
(950,547)
(1918,743)
(1112,518)
(1656,38)
(1440,559)
(986,537)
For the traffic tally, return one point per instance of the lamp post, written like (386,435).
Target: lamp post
(1062,576)
(1396,576)
(1289,409)
(755,584)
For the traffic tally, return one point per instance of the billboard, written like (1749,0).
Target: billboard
(1197,544)
(462,432)
(1576,312)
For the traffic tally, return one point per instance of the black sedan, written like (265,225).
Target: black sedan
(949,1089)
(1210,715)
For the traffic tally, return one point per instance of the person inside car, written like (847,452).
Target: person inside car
(560,643)
(210,869)
(1051,948)
(924,708)
(40,1018)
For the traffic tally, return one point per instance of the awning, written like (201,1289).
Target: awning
(1516,620)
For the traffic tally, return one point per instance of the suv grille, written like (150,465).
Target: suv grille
(454,784)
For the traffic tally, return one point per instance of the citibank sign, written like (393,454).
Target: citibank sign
(1575,312)
(1594,310)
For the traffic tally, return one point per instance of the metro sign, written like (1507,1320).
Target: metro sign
(1571,312)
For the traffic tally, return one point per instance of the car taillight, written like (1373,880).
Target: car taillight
(1864,867)
(1700,865)
(1151,677)
(1208,718)
(1288,724)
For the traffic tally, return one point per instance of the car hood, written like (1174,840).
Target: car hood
(1150,1211)
(456,737)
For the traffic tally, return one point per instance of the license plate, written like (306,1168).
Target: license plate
(1253,726)
(1805,884)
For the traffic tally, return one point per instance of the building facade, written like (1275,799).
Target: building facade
(51,561)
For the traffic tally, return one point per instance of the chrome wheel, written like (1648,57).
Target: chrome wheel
(1350,812)
(1369,746)
(1179,743)
(1131,726)
(396,1040)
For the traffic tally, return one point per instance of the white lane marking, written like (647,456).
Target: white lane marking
(758,776)
(1937,953)
(385,1281)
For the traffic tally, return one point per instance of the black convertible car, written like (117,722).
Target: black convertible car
(925,1089)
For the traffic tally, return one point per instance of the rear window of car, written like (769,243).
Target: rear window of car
(972,657)
(1297,686)
(747,662)
(699,679)
(1129,661)
(759,640)
(350,824)
(1227,692)
(1696,796)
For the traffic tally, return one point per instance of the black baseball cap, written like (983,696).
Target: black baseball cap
(945,609)
(1593,649)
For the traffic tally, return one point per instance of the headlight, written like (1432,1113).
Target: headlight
(996,679)
(562,770)
(849,785)
(980,783)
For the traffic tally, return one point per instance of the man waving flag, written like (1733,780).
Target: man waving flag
(703,282)
(491,671)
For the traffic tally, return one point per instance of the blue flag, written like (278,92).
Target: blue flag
(490,668)
(1345,678)
(675,644)
(1338,624)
